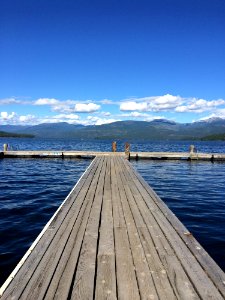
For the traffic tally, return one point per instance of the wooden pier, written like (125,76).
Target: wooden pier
(114,238)
(132,155)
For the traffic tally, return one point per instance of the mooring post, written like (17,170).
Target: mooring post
(5,147)
(136,157)
(113,146)
(192,151)
(127,150)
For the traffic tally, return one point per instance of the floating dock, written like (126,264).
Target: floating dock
(114,238)
(130,155)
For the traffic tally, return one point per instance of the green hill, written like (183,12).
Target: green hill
(214,137)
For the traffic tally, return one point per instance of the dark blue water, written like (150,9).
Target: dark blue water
(32,190)
(106,145)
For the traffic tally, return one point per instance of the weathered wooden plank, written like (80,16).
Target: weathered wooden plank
(63,216)
(200,280)
(207,263)
(126,276)
(39,282)
(106,270)
(118,218)
(145,282)
(61,283)
(156,269)
(83,287)
(178,279)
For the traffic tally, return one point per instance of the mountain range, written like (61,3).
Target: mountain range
(154,130)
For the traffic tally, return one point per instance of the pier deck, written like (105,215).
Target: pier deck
(114,238)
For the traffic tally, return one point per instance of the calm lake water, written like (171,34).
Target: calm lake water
(32,190)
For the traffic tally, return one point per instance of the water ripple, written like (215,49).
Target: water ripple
(31,191)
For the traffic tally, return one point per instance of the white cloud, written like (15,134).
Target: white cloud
(7,116)
(63,108)
(199,105)
(106,114)
(135,114)
(170,103)
(65,116)
(68,106)
(15,119)
(166,102)
(28,119)
(99,121)
(46,101)
(219,113)
(86,108)
(132,105)
(160,103)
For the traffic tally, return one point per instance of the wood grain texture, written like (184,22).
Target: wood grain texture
(83,286)
(125,269)
(144,277)
(106,269)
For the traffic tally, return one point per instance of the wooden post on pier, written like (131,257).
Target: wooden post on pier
(5,147)
(127,150)
(192,149)
(193,152)
(113,146)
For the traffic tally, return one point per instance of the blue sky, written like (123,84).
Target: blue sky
(93,62)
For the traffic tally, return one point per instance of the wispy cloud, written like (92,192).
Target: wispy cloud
(46,101)
(135,114)
(10,101)
(219,113)
(199,105)
(106,113)
(67,117)
(92,120)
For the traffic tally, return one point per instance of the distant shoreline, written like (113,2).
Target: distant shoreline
(4,134)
